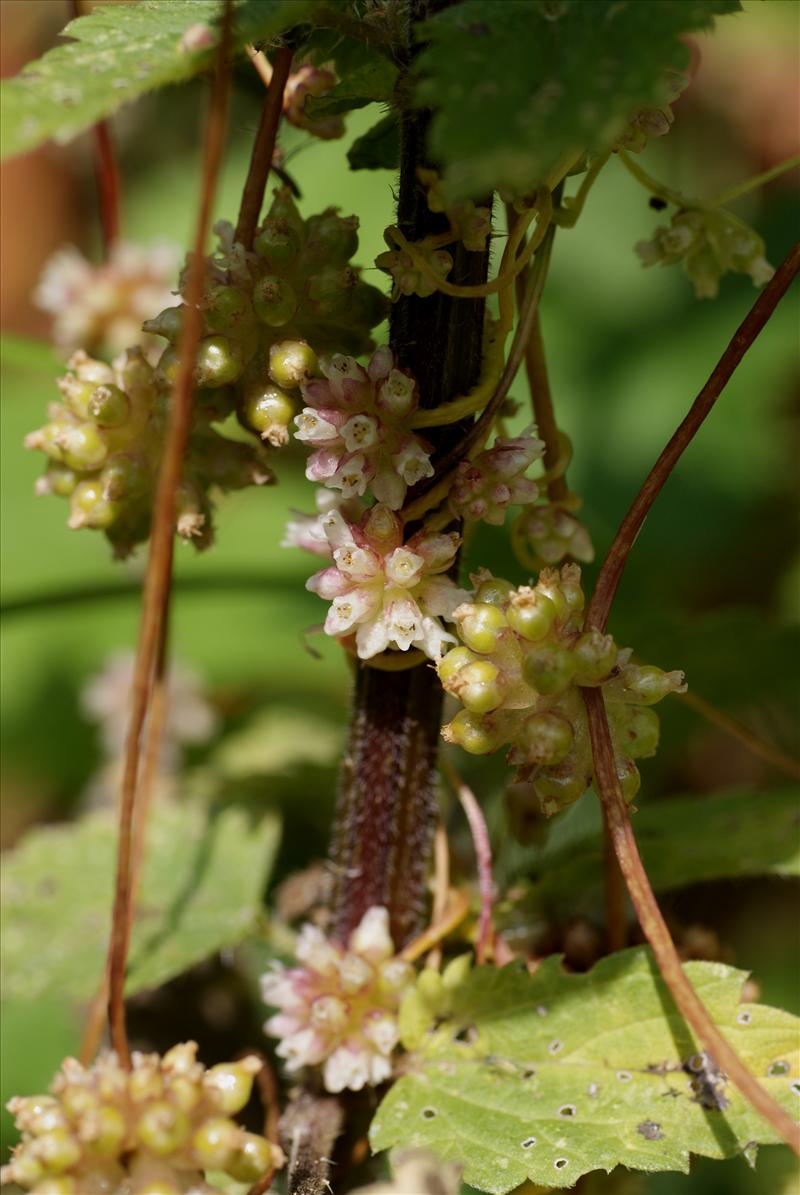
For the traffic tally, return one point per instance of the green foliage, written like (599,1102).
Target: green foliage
(683,840)
(118,53)
(548,1076)
(378,148)
(515,84)
(366,77)
(203,878)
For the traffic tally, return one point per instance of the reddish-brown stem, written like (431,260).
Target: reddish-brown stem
(158,577)
(612,568)
(539,383)
(758,746)
(655,928)
(270,1096)
(263,149)
(614,890)
(441,888)
(106,170)
(483,856)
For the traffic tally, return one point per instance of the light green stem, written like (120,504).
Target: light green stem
(752,184)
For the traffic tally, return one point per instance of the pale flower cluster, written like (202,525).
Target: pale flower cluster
(708,243)
(485,487)
(354,421)
(384,592)
(338,1006)
(102,307)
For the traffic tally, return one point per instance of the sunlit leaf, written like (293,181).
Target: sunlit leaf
(548,1076)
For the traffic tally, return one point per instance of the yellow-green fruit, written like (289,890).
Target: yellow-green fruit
(468,732)
(479,687)
(215,1143)
(531,615)
(452,663)
(253,1158)
(229,1084)
(549,668)
(109,406)
(481,626)
(82,447)
(291,362)
(495,591)
(88,506)
(269,411)
(547,738)
(162,1128)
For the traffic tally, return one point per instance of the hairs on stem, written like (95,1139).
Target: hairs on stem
(158,577)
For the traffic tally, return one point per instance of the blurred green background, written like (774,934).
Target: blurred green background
(712,583)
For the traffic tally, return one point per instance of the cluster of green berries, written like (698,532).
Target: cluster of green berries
(269,314)
(549,532)
(153,1130)
(105,439)
(524,657)
(471,224)
(709,242)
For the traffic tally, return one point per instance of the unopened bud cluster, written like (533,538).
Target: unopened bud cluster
(316,82)
(518,674)
(471,224)
(154,1129)
(101,308)
(355,422)
(105,441)
(709,243)
(485,487)
(653,122)
(383,592)
(338,1006)
(407,277)
(549,533)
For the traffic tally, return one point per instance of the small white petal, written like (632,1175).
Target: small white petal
(312,428)
(371,937)
(372,638)
(403,567)
(359,433)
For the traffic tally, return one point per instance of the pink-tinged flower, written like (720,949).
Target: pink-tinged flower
(385,593)
(308,531)
(103,306)
(354,421)
(314,81)
(553,533)
(485,487)
(338,1007)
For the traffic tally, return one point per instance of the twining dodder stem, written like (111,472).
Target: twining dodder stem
(387,802)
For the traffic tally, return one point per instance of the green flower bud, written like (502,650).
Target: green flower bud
(276,243)
(48,439)
(88,507)
(560,788)
(291,362)
(184,1092)
(637,730)
(103,1129)
(162,1128)
(269,411)
(109,406)
(274,300)
(215,1143)
(167,367)
(230,1083)
(125,476)
(331,289)
(531,614)
(167,323)
(57,1150)
(330,237)
(549,668)
(494,591)
(469,732)
(82,447)
(254,1157)
(449,665)
(219,362)
(223,308)
(595,655)
(646,684)
(481,625)
(547,738)
(78,395)
(479,686)
(56,1184)
(57,480)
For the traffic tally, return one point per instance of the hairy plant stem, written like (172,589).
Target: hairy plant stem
(614,564)
(106,171)
(158,577)
(263,149)
(387,804)
(655,928)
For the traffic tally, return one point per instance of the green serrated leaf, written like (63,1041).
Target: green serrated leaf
(204,876)
(548,1076)
(371,81)
(118,53)
(685,840)
(378,148)
(515,84)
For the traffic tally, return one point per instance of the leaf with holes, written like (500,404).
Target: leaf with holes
(548,1076)
(119,52)
(202,886)
(516,84)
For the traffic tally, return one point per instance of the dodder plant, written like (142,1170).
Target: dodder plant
(501,117)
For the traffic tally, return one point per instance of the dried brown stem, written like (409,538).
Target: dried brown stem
(760,747)
(158,577)
(539,383)
(655,928)
(263,149)
(616,559)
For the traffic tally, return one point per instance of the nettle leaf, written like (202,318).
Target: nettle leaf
(204,875)
(378,148)
(683,840)
(515,84)
(117,54)
(548,1076)
(366,76)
